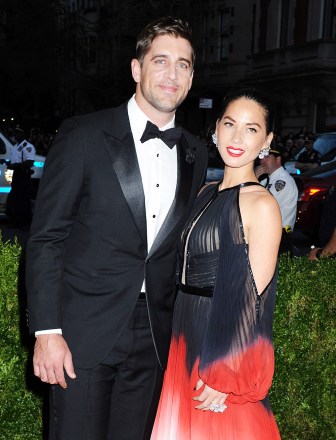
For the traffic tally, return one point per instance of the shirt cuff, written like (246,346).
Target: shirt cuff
(52,331)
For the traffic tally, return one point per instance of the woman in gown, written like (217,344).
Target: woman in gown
(221,359)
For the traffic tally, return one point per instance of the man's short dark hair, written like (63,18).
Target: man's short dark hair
(163,26)
(278,152)
(309,140)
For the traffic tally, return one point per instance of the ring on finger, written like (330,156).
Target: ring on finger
(217,407)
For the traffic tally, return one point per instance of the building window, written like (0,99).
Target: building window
(284,23)
(224,33)
(263,24)
(203,38)
(301,21)
(329,19)
(91,49)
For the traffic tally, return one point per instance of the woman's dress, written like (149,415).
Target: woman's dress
(222,331)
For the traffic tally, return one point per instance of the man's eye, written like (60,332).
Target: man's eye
(183,66)
(160,61)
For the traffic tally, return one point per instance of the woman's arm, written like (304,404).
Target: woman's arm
(263,228)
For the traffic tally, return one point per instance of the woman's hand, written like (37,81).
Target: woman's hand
(208,396)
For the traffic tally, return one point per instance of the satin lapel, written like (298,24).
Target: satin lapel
(185,172)
(126,167)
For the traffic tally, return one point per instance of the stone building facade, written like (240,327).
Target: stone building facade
(286,47)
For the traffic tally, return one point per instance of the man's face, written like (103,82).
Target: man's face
(270,163)
(19,135)
(165,75)
(300,143)
(309,145)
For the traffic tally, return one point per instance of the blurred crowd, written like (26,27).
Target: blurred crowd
(39,138)
(284,147)
(289,144)
(292,143)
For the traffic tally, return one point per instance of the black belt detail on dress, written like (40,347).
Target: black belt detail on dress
(199,291)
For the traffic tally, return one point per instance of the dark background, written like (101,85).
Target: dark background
(59,58)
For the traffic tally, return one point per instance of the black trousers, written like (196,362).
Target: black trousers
(117,399)
(18,201)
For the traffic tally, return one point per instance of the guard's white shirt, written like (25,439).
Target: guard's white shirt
(158,169)
(22,151)
(282,185)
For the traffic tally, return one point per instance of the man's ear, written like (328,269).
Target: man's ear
(136,70)
(191,80)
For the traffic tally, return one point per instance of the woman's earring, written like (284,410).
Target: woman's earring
(214,139)
(264,152)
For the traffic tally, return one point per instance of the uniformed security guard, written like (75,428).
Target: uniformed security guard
(283,187)
(310,158)
(21,160)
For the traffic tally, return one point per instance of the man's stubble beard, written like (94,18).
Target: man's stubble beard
(166,106)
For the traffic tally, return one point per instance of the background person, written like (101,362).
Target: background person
(101,257)
(310,158)
(283,187)
(221,359)
(327,229)
(19,199)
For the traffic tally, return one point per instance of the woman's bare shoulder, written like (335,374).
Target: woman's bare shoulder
(258,201)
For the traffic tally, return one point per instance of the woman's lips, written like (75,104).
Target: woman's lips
(234,152)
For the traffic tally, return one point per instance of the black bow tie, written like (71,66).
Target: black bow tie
(170,137)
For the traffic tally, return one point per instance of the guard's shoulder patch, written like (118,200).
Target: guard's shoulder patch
(279,185)
(29,149)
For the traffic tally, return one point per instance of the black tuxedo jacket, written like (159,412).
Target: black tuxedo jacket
(87,251)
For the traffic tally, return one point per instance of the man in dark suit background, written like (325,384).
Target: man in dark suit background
(101,256)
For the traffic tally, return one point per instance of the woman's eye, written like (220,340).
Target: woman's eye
(227,124)
(251,129)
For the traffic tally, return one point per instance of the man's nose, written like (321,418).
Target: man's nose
(171,71)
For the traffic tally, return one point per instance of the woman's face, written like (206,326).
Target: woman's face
(241,133)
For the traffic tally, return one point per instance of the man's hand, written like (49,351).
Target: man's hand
(51,357)
(312,254)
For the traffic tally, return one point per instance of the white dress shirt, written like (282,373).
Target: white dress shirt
(158,169)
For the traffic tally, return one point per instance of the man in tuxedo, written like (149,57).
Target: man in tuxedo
(101,257)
